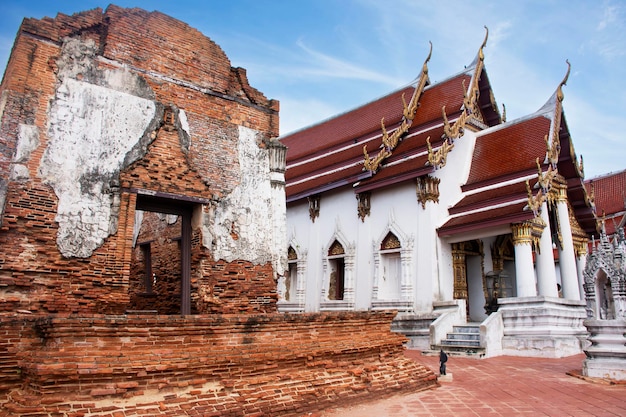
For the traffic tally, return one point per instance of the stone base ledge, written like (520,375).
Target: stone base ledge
(610,368)
(542,326)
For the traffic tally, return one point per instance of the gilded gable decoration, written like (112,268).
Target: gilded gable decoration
(389,142)
(390,241)
(291,254)
(580,166)
(427,189)
(336,249)
(535,201)
(590,197)
(554,147)
(457,129)
(545,179)
(578,234)
(364,205)
(471,107)
(438,158)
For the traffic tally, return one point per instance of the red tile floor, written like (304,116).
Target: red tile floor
(501,386)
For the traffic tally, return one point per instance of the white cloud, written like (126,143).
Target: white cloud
(296,114)
(321,64)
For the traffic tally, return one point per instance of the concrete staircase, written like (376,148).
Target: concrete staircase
(464,340)
(415,328)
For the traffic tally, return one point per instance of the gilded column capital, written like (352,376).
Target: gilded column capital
(580,246)
(528,232)
(522,233)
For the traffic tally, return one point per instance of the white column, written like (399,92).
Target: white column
(524,272)
(567,259)
(546,270)
(580,248)
(581,262)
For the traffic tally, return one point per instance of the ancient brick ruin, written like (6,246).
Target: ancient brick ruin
(142,232)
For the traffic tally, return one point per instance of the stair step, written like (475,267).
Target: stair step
(461,343)
(463,336)
(472,329)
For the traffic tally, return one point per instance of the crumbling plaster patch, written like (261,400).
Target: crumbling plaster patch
(27,141)
(97,119)
(239,225)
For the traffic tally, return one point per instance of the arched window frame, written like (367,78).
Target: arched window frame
(405,301)
(348,256)
(296,303)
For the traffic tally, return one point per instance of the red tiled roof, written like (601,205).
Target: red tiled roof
(324,155)
(514,213)
(492,197)
(408,160)
(365,120)
(506,152)
(610,198)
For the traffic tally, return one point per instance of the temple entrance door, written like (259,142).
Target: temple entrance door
(183,209)
(467,263)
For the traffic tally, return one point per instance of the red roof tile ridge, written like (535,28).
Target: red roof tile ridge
(350,110)
(324,154)
(324,173)
(466,71)
(484,208)
(486,186)
(607,175)
(547,114)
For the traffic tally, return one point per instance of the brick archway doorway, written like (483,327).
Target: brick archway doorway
(184,209)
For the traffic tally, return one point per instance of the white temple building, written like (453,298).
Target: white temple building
(427,201)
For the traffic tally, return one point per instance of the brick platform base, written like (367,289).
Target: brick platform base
(226,365)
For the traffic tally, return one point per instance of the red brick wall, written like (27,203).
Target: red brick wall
(227,365)
(164,296)
(183,69)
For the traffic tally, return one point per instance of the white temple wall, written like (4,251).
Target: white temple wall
(398,210)
(306,233)
(426,265)
(453,175)
(446,270)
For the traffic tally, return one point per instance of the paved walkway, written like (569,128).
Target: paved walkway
(502,386)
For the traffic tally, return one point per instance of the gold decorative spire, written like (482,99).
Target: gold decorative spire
(559,90)
(470,110)
(389,142)
(554,148)
(471,99)
(471,107)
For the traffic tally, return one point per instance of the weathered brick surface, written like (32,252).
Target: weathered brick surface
(270,364)
(66,345)
(182,70)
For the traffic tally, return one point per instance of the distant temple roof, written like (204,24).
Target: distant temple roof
(388,141)
(609,194)
(336,152)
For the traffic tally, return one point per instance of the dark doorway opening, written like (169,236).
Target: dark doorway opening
(161,262)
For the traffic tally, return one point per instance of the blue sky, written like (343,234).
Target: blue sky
(324,57)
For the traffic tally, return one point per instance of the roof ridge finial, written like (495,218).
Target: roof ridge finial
(559,90)
(481,54)
(390,141)
(555,140)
